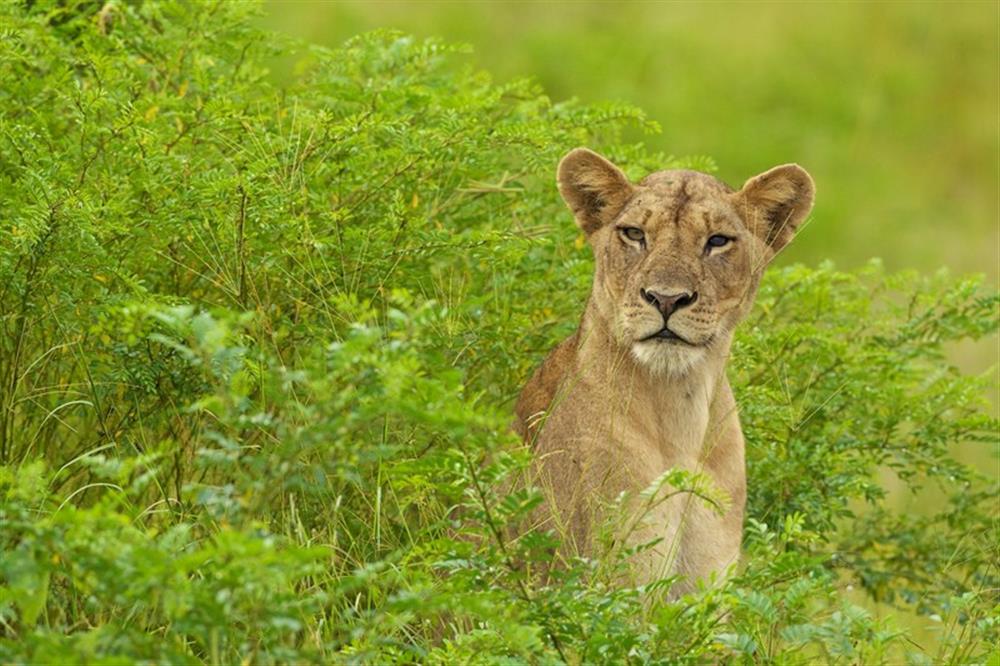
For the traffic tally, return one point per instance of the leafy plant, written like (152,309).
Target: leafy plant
(259,348)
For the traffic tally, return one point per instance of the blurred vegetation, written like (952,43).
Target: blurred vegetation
(259,345)
(892,106)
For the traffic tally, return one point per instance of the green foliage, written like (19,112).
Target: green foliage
(259,347)
(889,105)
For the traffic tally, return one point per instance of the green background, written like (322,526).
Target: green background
(257,345)
(893,107)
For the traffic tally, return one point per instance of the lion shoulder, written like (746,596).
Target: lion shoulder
(537,395)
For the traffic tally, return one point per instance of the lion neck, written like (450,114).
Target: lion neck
(670,410)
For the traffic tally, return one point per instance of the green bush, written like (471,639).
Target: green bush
(259,348)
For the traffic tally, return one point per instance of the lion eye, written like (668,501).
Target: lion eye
(718,240)
(634,234)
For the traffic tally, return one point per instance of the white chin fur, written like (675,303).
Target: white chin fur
(667,358)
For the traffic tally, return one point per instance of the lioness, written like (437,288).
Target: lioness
(640,387)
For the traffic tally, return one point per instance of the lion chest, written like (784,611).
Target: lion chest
(600,447)
(593,451)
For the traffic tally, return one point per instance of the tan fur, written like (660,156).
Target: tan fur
(607,412)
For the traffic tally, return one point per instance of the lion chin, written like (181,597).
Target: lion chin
(668,359)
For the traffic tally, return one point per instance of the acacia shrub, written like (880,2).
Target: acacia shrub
(260,346)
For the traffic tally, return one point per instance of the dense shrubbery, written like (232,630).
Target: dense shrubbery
(260,347)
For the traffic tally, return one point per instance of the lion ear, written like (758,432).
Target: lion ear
(775,203)
(593,188)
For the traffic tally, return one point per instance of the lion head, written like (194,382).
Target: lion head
(679,255)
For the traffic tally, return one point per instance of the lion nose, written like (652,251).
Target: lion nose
(667,304)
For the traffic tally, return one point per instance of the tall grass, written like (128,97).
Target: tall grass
(259,346)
